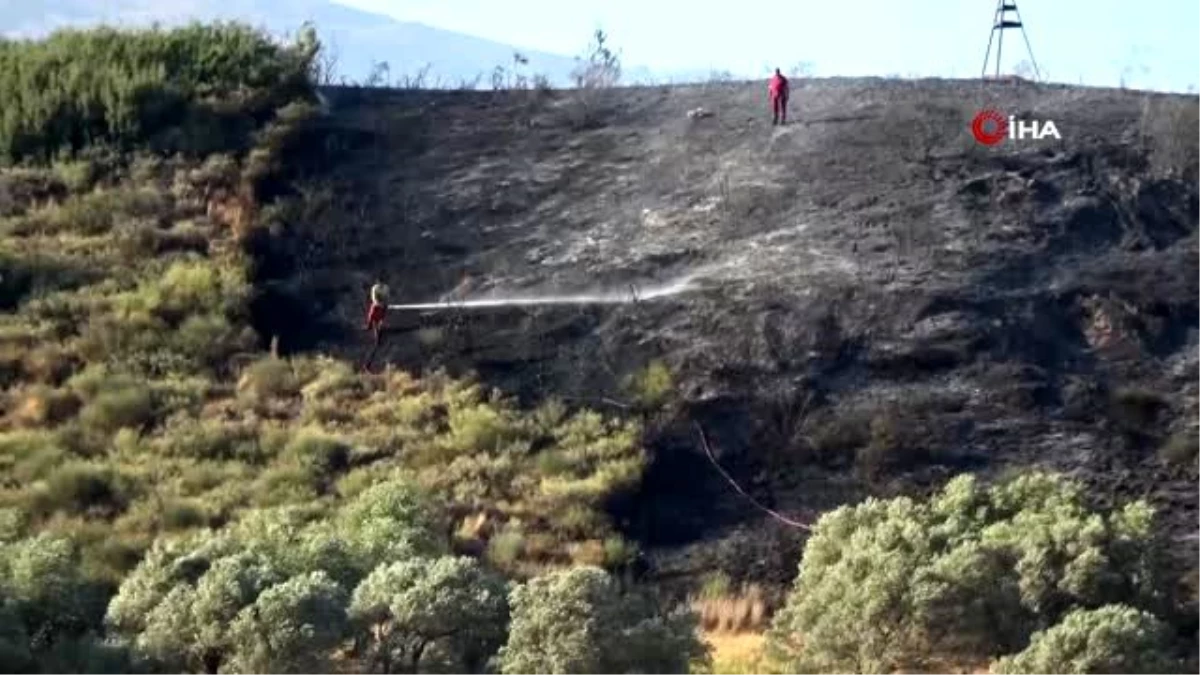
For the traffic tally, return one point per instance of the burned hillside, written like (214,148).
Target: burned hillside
(876,302)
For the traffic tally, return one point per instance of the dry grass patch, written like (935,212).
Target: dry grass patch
(735,653)
(723,608)
(1168,130)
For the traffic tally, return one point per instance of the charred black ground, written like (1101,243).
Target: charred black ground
(885,302)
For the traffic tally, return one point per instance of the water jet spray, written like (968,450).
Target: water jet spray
(634,295)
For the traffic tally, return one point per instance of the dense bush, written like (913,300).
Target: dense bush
(270,592)
(580,621)
(46,602)
(284,590)
(447,612)
(969,575)
(199,88)
(29,273)
(1111,639)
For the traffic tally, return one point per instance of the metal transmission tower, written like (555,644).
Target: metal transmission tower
(1000,23)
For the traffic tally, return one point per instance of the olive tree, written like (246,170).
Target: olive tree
(176,607)
(392,521)
(189,629)
(169,563)
(1111,639)
(51,612)
(969,574)
(195,602)
(299,541)
(426,609)
(45,598)
(292,627)
(580,621)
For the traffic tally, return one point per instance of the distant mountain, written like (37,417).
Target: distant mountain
(358,38)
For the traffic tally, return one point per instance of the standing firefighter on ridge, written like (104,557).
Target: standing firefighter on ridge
(778,91)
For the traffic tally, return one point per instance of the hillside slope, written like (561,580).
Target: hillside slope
(876,302)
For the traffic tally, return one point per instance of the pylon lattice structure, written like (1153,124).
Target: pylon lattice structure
(1006,17)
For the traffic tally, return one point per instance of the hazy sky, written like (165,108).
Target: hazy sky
(1153,44)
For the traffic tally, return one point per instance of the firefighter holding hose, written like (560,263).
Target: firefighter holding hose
(377,312)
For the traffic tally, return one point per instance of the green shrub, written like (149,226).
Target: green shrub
(716,585)
(596,459)
(29,274)
(578,520)
(291,627)
(147,169)
(267,379)
(580,621)
(28,456)
(395,518)
(507,545)
(49,363)
(205,440)
(1111,639)
(479,428)
(21,188)
(181,393)
(651,386)
(418,612)
(78,175)
(137,238)
(63,315)
(45,593)
(332,378)
(619,551)
(971,573)
(83,488)
(220,484)
(317,453)
(12,524)
(211,339)
(184,515)
(218,172)
(123,405)
(190,287)
(82,88)
(282,485)
(135,342)
(96,213)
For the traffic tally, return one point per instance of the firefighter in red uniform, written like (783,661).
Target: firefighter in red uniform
(778,91)
(378,310)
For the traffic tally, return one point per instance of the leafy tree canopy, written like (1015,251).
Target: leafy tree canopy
(580,621)
(969,574)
